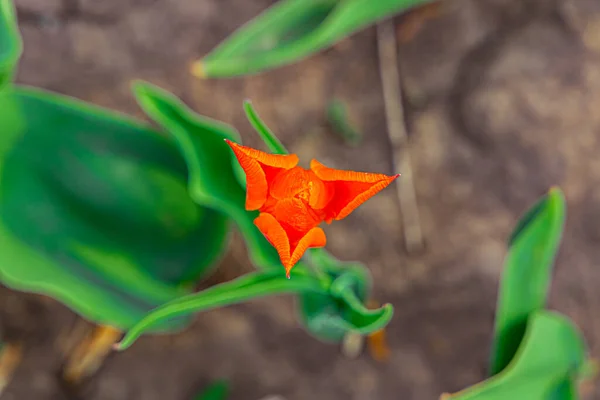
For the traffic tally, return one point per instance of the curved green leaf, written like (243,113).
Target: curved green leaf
(212,181)
(527,274)
(94,210)
(544,367)
(247,287)
(11,45)
(218,390)
(329,317)
(292,30)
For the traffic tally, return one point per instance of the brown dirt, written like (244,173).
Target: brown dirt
(502,99)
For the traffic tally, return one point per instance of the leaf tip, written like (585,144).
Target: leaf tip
(197,69)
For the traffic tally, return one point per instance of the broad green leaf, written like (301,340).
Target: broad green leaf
(329,317)
(527,274)
(339,120)
(11,45)
(247,287)
(212,180)
(218,390)
(292,30)
(94,210)
(544,367)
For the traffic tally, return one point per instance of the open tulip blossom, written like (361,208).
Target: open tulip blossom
(293,200)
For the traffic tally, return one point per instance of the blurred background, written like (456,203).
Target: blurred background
(501,101)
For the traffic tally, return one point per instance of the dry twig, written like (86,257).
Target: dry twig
(392,94)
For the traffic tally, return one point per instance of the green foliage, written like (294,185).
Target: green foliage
(11,45)
(218,390)
(527,274)
(247,287)
(272,142)
(331,316)
(212,181)
(292,30)
(536,354)
(94,209)
(545,366)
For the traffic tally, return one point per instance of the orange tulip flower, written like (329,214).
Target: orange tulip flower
(293,200)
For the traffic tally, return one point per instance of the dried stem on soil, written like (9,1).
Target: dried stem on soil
(10,357)
(352,345)
(87,357)
(392,95)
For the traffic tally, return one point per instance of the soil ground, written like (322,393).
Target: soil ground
(502,100)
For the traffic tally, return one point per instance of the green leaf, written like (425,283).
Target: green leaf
(337,116)
(94,210)
(11,45)
(272,142)
(527,274)
(329,317)
(219,390)
(544,367)
(292,30)
(212,180)
(247,287)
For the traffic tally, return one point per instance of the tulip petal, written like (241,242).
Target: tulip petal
(278,237)
(351,188)
(275,234)
(260,168)
(314,238)
(296,217)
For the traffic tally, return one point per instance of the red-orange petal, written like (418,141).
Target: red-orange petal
(259,168)
(275,234)
(350,188)
(296,216)
(278,237)
(314,238)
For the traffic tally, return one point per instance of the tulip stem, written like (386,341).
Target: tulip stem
(88,356)
(396,128)
(10,357)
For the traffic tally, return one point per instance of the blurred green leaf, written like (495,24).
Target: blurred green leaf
(11,45)
(247,287)
(219,390)
(94,210)
(544,367)
(212,180)
(329,317)
(338,118)
(292,30)
(527,274)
